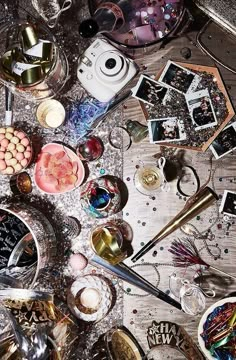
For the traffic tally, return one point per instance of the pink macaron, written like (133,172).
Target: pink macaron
(78,262)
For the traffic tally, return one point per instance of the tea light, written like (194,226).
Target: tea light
(90,298)
(21,183)
(50,114)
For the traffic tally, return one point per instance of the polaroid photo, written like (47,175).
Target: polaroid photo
(225,142)
(179,78)
(166,130)
(228,203)
(150,91)
(201,110)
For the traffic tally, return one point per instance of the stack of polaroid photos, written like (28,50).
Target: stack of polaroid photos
(181,80)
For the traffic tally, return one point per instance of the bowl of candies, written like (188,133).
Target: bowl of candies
(217,330)
(15,150)
(58,169)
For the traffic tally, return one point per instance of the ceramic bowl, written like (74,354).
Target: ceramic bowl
(201,342)
(58,183)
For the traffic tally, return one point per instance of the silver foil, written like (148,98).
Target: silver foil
(222,11)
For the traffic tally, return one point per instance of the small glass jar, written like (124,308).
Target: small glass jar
(107,241)
(148,179)
(101,197)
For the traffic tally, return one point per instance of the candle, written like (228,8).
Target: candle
(90,298)
(50,114)
(21,183)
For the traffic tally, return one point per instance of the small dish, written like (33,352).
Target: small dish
(201,342)
(90,282)
(15,150)
(58,169)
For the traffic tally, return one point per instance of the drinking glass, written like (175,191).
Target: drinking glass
(53,81)
(107,241)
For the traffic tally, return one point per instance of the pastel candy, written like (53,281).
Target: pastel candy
(9,170)
(4,143)
(15,140)
(11,147)
(8,136)
(17,167)
(2,165)
(20,135)
(20,148)
(24,162)
(2,155)
(14,152)
(8,155)
(19,156)
(25,142)
(28,148)
(2,130)
(12,162)
(2,136)
(10,129)
(27,154)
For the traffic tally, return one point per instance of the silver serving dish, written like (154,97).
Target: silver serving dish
(42,234)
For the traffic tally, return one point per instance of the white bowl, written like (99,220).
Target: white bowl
(203,320)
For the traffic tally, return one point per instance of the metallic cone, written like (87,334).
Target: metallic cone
(127,274)
(194,206)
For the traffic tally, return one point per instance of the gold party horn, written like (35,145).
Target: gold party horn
(105,243)
(194,206)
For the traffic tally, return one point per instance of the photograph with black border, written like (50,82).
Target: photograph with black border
(179,78)
(201,109)
(228,203)
(225,142)
(150,91)
(166,130)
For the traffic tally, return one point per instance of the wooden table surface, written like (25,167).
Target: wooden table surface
(147,215)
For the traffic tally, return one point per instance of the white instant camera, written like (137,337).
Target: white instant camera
(103,70)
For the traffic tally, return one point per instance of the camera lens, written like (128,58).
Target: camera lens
(110,64)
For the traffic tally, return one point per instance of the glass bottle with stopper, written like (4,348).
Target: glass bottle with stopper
(137,131)
(109,17)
